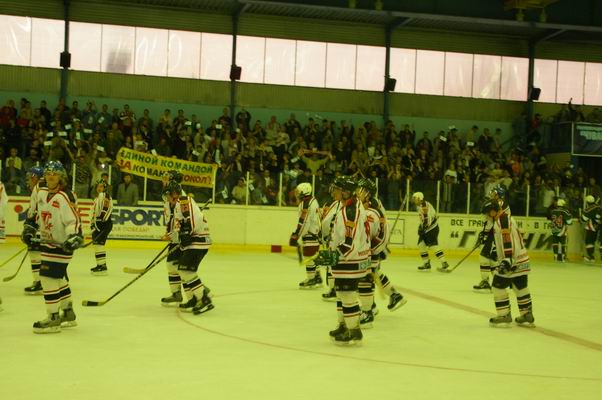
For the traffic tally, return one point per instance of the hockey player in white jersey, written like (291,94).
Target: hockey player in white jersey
(349,256)
(102,225)
(192,232)
(60,233)
(307,229)
(379,237)
(428,233)
(512,270)
(35,181)
(3,204)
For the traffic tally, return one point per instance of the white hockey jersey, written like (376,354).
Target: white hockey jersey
(509,244)
(428,216)
(32,212)
(57,217)
(188,211)
(328,217)
(379,228)
(103,207)
(350,233)
(309,217)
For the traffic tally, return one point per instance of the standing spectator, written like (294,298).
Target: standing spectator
(127,192)
(12,177)
(83,177)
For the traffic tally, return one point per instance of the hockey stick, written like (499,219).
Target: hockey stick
(90,303)
(13,276)
(12,257)
(462,260)
(128,270)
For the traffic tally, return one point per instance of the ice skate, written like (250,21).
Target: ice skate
(349,337)
(526,320)
(52,324)
(482,287)
(34,289)
(203,306)
(395,301)
(311,283)
(444,267)
(330,296)
(99,270)
(172,301)
(374,309)
(189,305)
(502,321)
(366,319)
(68,318)
(425,267)
(341,328)
(588,260)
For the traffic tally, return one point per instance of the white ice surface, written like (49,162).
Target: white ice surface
(266,339)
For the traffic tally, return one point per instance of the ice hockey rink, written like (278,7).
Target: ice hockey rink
(266,339)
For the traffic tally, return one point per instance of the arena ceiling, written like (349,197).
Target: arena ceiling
(567,20)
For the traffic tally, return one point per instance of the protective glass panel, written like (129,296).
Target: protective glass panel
(151,52)
(370,68)
(47,42)
(458,74)
(515,76)
(184,54)
(118,49)
(593,84)
(340,66)
(310,67)
(216,56)
(486,76)
(15,40)
(280,61)
(84,46)
(403,68)
(429,72)
(250,53)
(571,75)
(544,77)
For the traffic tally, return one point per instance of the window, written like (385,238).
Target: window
(429,72)
(458,75)
(593,84)
(544,77)
(84,46)
(118,49)
(47,42)
(370,69)
(151,52)
(340,66)
(216,56)
(486,76)
(571,76)
(184,54)
(15,40)
(250,55)
(280,61)
(515,74)
(403,68)
(310,67)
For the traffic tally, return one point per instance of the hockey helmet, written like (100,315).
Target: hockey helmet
(347,184)
(174,175)
(304,189)
(367,185)
(172,187)
(560,202)
(418,196)
(55,167)
(101,182)
(499,190)
(590,199)
(36,171)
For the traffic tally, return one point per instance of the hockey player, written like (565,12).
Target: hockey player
(592,219)
(101,226)
(349,256)
(60,233)
(511,271)
(193,238)
(561,218)
(3,204)
(308,229)
(35,182)
(428,233)
(327,222)
(173,276)
(379,237)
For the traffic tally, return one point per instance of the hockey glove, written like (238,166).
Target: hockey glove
(185,233)
(506,267)
(73,242)
(481,238)
(29,233)
(294,240)
(327,257)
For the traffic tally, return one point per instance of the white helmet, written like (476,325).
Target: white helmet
(590,199)
(560,203)
(304,189)
(418,195)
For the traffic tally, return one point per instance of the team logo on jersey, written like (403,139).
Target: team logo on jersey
(55,204)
